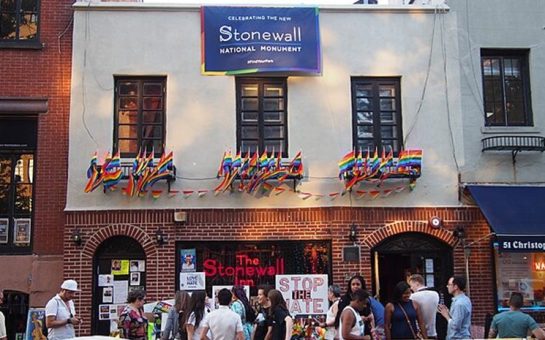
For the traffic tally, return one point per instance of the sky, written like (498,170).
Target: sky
(258,2)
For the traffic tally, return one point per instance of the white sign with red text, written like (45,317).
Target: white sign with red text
(304,294)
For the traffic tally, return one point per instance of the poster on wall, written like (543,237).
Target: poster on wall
(188,259)
(4,227)
(121,290)
(105,280)
(35,323)
(216,289)
(104,312)
(120,267)
(137,265)
(304,294)
(192,281)
(107,295)
(135,279)
(22,230)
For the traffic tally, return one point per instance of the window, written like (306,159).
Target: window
(254,263)
(139,115)
(16,183)
(262,115)
(376,114)
(523,273)
(506,87)
(19,22)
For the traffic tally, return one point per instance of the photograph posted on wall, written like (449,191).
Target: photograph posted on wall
(22,230)
(188,258)
(4,227)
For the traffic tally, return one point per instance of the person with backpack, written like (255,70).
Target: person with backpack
(174,329)
(242,307)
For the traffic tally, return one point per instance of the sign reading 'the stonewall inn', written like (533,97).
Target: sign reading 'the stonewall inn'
(237,40)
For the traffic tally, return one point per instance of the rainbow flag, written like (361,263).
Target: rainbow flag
(92,165)
(115,162)
(296,165)
(347,163)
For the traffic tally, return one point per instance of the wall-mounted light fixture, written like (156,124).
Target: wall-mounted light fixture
(460,233)
(160,237)
(76,237)
(353,234)
(436,222)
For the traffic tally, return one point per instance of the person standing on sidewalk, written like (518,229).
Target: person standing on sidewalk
(514,323)
(60,313)
(459,316)
(428,300)
(222,323)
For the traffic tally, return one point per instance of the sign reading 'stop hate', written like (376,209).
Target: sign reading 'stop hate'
(238,40)
(304,294)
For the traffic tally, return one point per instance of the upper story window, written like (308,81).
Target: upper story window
(19,23)
(506,87)
(139,115)
(376,114)
(262,115)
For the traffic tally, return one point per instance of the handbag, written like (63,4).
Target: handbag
(416,335)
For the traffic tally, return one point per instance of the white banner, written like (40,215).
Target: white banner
(304,294)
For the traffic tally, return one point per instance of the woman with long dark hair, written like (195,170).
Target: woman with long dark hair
(197,312)
(174,327)
(242,307)
(282,323)
(402,315)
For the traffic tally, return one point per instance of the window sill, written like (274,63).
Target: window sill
(22,45)
(508,130)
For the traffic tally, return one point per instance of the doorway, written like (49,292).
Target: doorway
(119,267)
(399,256)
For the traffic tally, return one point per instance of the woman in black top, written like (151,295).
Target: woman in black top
(262,321)
(281,321)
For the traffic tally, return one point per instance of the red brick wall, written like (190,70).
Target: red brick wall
(46,73)
(375,225)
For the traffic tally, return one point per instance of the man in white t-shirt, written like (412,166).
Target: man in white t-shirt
(3,334)
(60,313)
(428,301)
(223,323)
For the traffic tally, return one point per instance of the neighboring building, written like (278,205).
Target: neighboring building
(390,76)
(35,66)
(502,67)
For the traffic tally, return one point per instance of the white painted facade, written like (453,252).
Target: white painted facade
(500,24)
(150,39)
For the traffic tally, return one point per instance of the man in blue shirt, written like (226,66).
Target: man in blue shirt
(459,316)
(514,323)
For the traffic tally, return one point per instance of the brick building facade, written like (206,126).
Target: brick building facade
(35,73)
(375,226)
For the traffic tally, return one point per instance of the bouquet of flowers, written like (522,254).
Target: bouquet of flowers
(307,329)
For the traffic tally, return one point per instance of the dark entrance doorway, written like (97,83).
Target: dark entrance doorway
(118,262)
(404,254)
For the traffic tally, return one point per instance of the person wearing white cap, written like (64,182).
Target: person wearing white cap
(60,312)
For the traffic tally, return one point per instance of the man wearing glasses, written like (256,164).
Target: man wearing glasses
(459,316)
(60,313)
